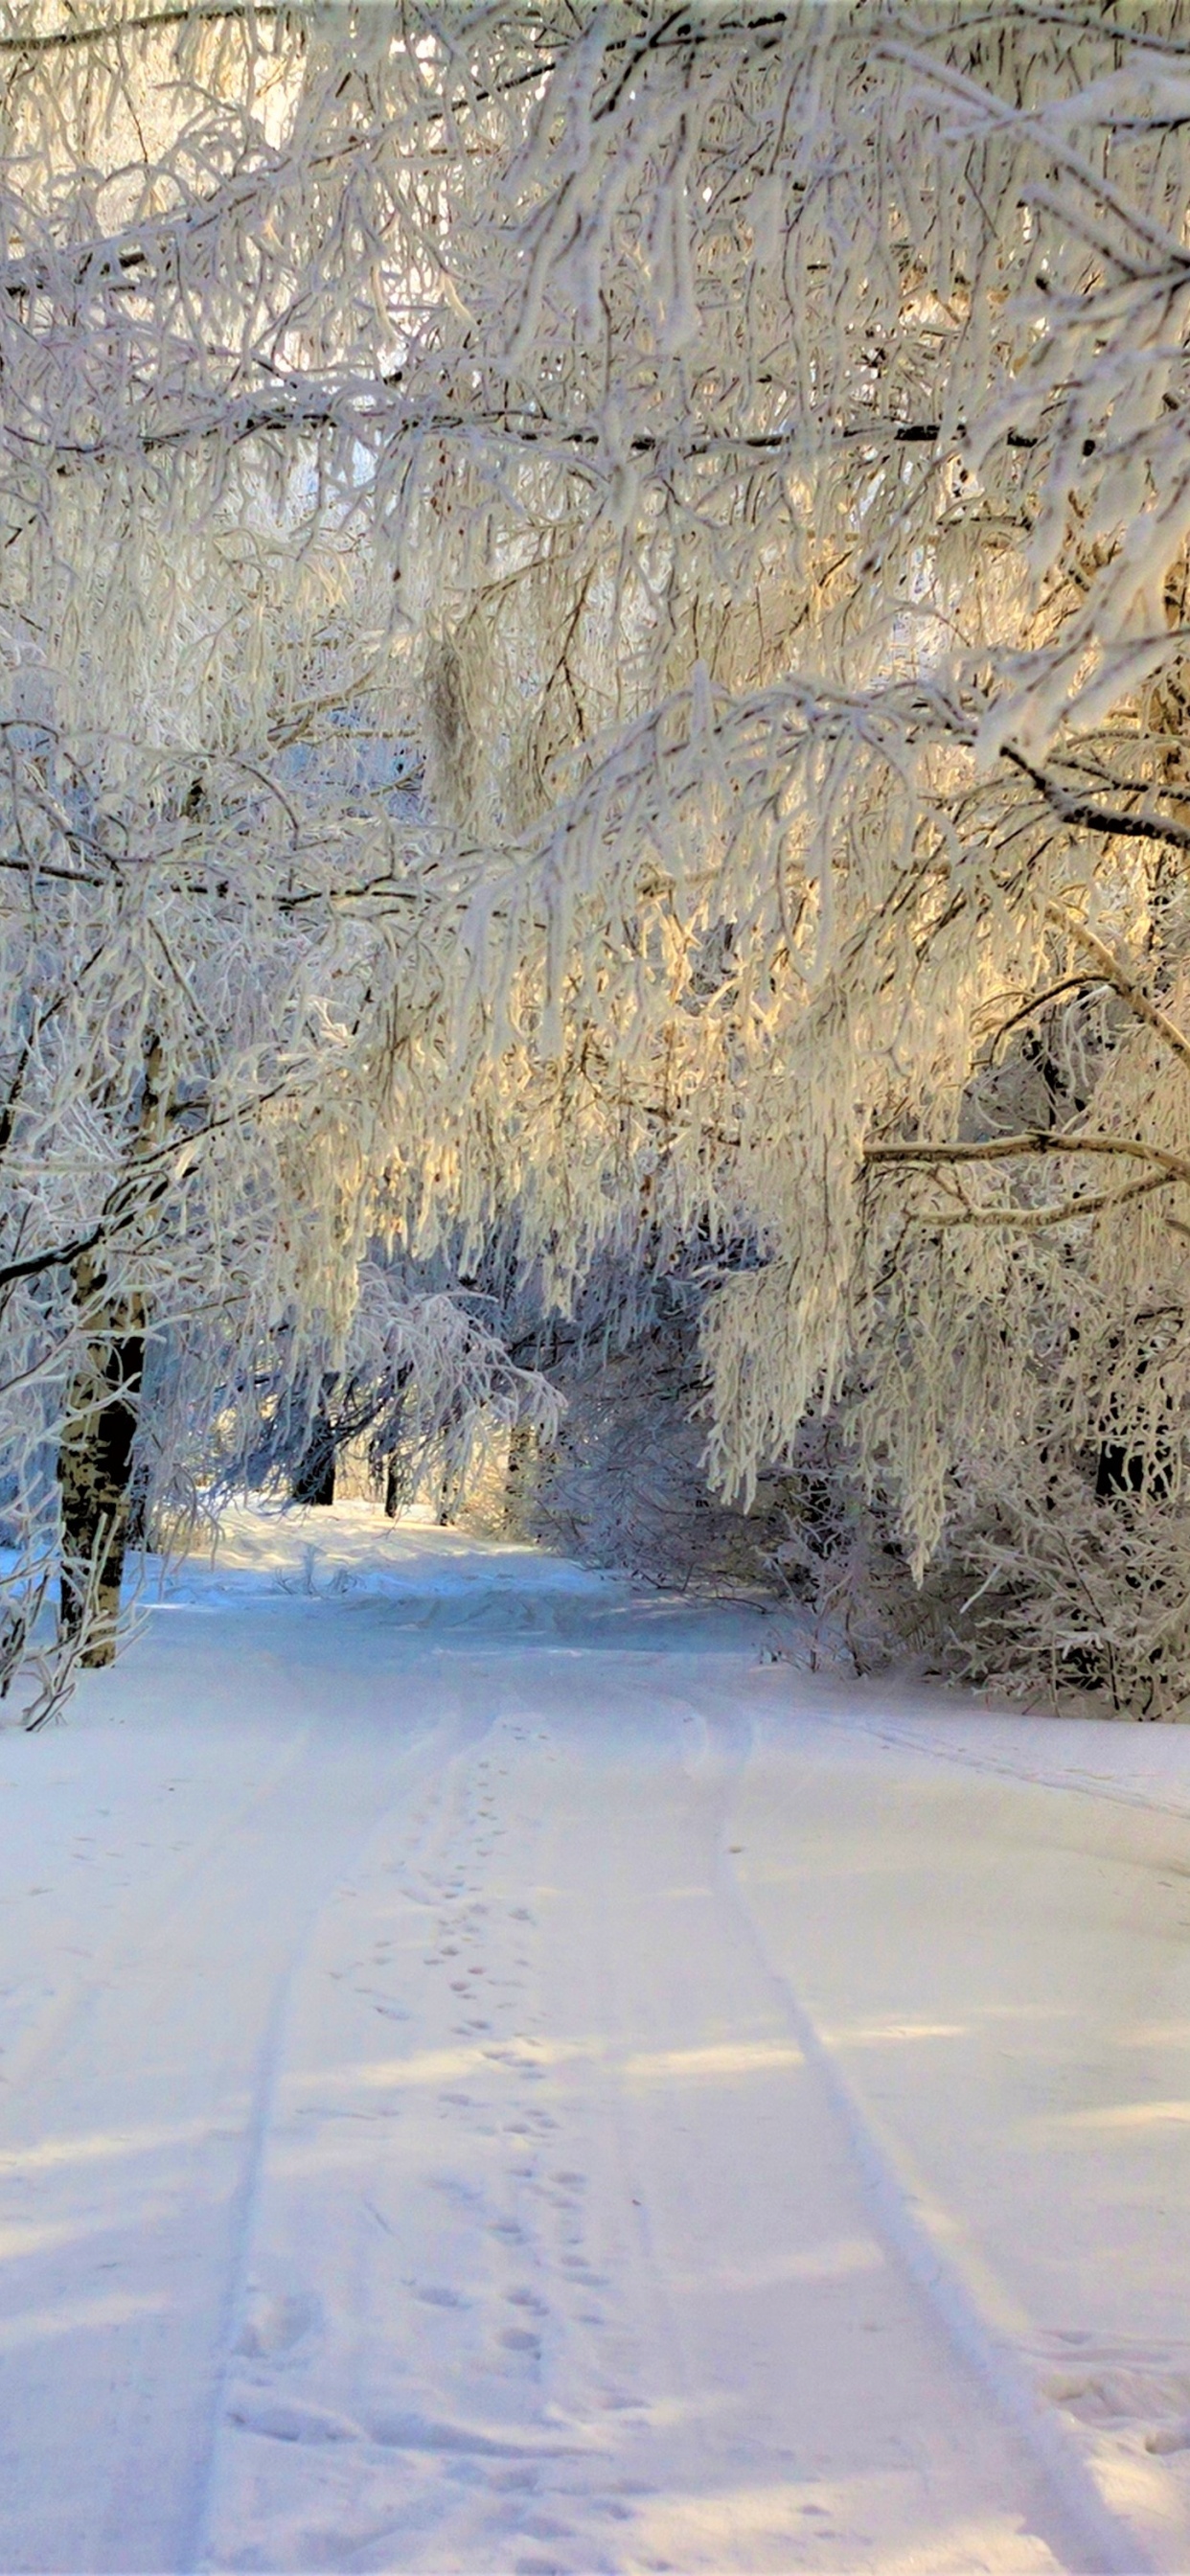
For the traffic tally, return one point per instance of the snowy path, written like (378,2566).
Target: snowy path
(476,2097)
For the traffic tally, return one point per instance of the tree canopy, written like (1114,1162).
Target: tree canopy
(593,656)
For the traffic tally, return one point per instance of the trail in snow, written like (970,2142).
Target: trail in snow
(476,2096)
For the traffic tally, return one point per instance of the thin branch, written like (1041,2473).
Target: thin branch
(323,409)
(36,1264)
(1033,1220)
(58,39)
(1037,1002)
(1145,826)
(1117,975)
(1035,1141)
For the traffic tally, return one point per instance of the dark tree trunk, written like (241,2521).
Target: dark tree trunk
(95,1468)
(398,1471)
(138,1502)
(522,1458)
(314,1481)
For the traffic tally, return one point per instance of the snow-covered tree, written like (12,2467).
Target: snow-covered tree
(800,600)
(759,437)
(208,876)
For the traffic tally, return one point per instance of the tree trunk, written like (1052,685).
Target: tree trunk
(398,1472)
(95,1468)
(522,1458)
(314,1481)
(138,1502)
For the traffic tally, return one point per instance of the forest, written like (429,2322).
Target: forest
(595,803)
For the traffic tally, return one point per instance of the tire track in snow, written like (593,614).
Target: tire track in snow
(450,1846)
(1170,1803)
(123,2112)
(670,2142)
(58,2025)
(922,2237)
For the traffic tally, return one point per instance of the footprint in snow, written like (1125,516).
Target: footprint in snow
(275,2325)
(280,2421)
(463,2195)
(1169,2437)
(422,2433)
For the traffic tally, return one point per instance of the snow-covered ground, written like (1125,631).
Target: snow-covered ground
(500,2076)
